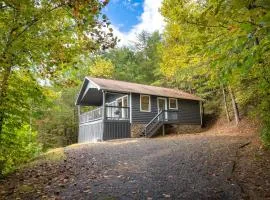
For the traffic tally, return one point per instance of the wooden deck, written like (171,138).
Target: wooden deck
(100,124)
(111,113)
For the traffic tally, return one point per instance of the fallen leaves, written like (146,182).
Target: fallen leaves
(130,173)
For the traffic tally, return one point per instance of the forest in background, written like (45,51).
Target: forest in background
(218,50)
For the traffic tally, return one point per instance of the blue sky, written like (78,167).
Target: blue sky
(130,17)
(124,13)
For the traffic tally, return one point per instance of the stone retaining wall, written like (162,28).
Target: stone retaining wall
(182,129)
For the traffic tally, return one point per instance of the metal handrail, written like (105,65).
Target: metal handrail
(147,125)
(117,107)
(163,119)
(154,118)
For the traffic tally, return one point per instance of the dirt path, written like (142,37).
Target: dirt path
(179,167)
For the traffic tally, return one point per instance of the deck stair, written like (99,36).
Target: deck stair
(154,125)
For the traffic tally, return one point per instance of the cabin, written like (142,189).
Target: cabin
(124,109)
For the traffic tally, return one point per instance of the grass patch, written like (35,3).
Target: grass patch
(25,189)
(107,198)
(53,155)
(76,145)
(265,136)
(57,154)
(84,144)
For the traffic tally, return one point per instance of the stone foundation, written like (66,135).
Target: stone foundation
(182,129)
(136,130)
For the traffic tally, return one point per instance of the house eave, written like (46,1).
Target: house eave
(128,92)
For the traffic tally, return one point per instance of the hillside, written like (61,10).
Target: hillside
(223,162)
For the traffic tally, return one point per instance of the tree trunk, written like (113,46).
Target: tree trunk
(225,103)
(3,94)
(235,107)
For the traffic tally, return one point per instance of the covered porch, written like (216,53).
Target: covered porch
(107,105)
(109,117)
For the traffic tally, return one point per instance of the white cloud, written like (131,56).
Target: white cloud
(130,5)
(150,20)
(135,4)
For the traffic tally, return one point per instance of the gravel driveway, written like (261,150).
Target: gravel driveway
(177,167)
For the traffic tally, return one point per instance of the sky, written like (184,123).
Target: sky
(130,17)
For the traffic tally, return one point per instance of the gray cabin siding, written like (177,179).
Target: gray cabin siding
(91,132)
(143,117)
(116,129)
(188,110)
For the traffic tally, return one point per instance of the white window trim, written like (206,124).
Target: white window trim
(114,103)
(117,99)
(166,105)
(149,105)
(176,108)
(165,99)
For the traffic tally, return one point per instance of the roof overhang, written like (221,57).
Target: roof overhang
(90,94)
(129,87)
(92,88)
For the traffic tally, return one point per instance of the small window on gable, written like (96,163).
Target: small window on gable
(145,104)
(173,104)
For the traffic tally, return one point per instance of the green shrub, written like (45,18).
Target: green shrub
(265,135)
(17,148)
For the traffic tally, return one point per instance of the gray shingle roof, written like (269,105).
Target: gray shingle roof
(127,87)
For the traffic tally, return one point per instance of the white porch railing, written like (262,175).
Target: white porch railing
(91,115)
(116,113)
(111,113)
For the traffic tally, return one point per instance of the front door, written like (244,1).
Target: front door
(162,105)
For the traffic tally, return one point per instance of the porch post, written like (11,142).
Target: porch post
(103,104)
(79,123)
(201,112)
(163,130)
(79,114)
(130,107)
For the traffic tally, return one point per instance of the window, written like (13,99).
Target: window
(116,110)
(145,105)
(173,104)
(125,101)
(124,110)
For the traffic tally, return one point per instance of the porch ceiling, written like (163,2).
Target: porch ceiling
(92,97)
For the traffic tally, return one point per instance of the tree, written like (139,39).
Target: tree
(147,51)
(125,63)
(140,63)
(41,44)
(40,38)
(58,125)
(102,68)
(226,41)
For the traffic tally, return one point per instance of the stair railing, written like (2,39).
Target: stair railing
(158,118)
